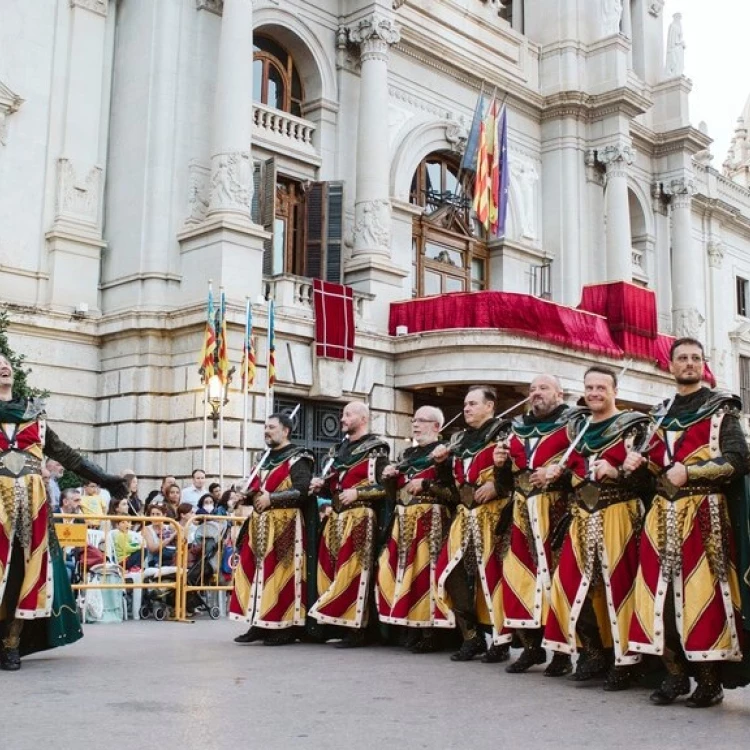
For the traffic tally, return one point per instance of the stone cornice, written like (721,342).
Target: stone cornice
(583,106)
(523,99)
(688,139)
(95,6)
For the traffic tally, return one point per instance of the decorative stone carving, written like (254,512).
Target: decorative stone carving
(655,7)
(679,191)
(616,158)
(611,16)
(9,103)
(198,188)
(95,6)
(372,226)
(525,176)
(78,198)
(457,133)
(374,34)
(398,3)
(214,6)
(715,250)
(675,65)
(688,322)
(231,182)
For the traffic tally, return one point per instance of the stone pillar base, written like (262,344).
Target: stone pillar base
(74,268)
(228,251)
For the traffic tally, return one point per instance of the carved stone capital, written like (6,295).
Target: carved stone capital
(680,191)
(616,155)
(655,7)
(231,183)
(95,6)
(715,250)
(374,35)
(212,6)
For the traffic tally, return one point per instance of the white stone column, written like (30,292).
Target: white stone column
(231,167)
(617,159)
(688,267)
(372,209)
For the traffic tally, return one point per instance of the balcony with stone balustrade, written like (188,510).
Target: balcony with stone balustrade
(281,131)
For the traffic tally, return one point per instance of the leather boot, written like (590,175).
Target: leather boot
(252,635)
(496,654)
(559,666)
(709,691)
(471,647)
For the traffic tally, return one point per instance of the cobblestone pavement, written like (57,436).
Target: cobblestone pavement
(172,685)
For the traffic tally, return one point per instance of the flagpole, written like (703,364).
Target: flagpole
(270,360)
(205,396)
(246,384)
(221,332)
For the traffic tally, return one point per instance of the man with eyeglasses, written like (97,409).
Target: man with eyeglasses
(687,590)
(406,570)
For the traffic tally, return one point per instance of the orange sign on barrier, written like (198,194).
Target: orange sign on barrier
(71,534)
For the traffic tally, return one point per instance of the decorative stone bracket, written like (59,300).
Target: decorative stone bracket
(9,103)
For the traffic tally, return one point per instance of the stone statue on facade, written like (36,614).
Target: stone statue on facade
(526,177)
(675,65)
(611,16)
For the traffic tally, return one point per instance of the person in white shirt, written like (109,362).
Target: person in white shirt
(194,493)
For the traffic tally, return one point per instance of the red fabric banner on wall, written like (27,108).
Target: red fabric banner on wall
(334,320)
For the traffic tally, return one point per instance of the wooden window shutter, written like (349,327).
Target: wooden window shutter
(255,202)
(314,226)
(334,231)
(268,213)
(324,230)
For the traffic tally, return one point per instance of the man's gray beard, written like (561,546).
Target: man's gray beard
(544,411)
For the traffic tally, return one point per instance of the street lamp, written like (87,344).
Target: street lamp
(217,396)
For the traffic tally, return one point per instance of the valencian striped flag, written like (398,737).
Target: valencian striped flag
(271,346)
(208,356)
(222,348)
(248,351)
(485,154)
(499,177)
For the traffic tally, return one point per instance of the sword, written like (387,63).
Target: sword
(263,459)
(331,458)
(645,445)
(574,444)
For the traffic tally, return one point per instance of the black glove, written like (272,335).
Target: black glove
(115,485)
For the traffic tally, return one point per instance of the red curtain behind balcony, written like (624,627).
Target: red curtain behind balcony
(630,311)
(506,311)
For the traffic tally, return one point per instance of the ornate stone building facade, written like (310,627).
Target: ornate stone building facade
(146,147)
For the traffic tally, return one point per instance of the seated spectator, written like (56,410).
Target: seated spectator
(127,546)
(70,502)
(92,502)
(160,495)
(118,507)
(206,505)
(172,501)
(135,506)
(193,493)
(228,504)
(185,516)
(55,470)
(159,538)
(215,490)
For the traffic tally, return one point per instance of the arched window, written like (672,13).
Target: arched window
(448,249)
(276,80)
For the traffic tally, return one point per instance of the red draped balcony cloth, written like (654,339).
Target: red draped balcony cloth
(507,311)
(630,311)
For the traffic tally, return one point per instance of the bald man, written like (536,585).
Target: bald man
(353,488)
(406,585)
(537,440)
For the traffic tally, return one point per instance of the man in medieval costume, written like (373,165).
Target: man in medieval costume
(354,487)
(538,440)
(470,565)
(688,599)
(592,601)
(406,585)
(270,579)
(37,609)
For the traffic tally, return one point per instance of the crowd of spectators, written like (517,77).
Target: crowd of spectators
(132,544)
